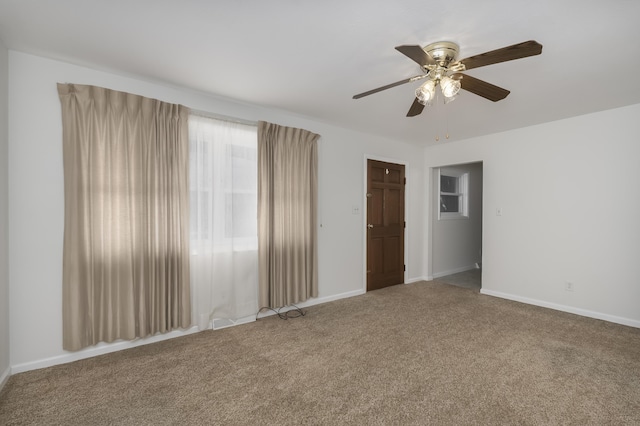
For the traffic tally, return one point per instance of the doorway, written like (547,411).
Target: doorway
(385,224)
(456,224)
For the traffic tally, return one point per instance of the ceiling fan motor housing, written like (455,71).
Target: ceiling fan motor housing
(443,52)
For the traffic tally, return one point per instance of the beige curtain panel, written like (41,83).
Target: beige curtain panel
(287,215)
(126,230)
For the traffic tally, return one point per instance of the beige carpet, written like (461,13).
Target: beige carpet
(425,353)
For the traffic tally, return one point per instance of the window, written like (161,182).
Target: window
(223,182)
(454,195)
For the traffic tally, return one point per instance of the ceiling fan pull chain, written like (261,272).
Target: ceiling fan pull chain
(438,118)
(446,122)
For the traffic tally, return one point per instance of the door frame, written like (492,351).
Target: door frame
(432,215)
(363,200)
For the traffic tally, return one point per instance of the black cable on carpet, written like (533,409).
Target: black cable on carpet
(292,313)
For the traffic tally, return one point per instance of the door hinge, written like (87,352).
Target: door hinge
(405,181)
(405,268)
(405,224)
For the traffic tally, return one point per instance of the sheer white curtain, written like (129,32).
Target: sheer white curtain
(224,245)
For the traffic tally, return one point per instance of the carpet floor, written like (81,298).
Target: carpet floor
(423,353)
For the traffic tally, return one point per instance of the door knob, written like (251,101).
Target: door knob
(369,226)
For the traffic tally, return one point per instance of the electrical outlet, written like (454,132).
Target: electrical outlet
(499,211)
(568,286)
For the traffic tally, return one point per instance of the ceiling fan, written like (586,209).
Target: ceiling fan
(440,68)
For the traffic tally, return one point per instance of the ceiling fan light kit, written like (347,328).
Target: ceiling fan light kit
(440,66)
(426,92)
(449,86)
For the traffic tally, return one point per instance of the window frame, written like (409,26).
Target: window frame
(462,192)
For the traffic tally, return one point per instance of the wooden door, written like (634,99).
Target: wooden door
(385,224)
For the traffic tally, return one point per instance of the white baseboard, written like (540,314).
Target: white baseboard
(315,301)
(320,300)
(454,271)
(220,323)
(99,349)
(4,377)
(416,280)
(564,308)
(105,348)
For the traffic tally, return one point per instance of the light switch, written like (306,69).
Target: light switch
(499,211)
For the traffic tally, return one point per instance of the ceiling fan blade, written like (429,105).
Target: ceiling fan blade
(389,86)
(416,108)
(509,53)
(416,53)
(480,87)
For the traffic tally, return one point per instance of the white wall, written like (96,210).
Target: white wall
(4,217)
(456,243)
(570,201)
(36,205)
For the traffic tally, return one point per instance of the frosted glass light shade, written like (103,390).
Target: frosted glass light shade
(426,92)
(449,86)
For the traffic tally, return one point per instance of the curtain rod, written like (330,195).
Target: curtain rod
(222,117)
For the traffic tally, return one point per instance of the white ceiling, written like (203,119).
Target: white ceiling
(311,57)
